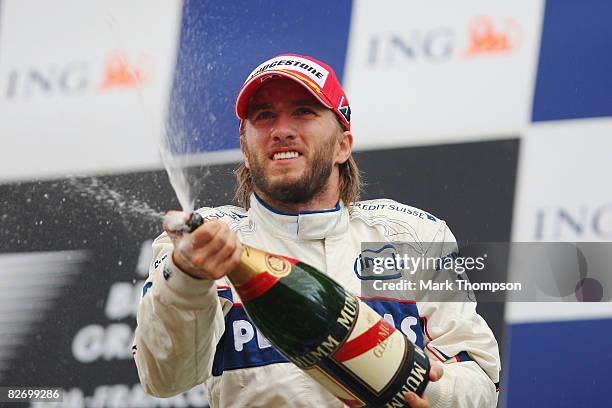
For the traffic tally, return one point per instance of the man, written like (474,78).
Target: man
(298,185)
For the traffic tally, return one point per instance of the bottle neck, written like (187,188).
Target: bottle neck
(246,269)
(257,272)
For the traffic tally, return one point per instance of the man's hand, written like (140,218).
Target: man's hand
(435,373)
(209,252)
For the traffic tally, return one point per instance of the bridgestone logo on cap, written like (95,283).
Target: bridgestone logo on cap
(312,70)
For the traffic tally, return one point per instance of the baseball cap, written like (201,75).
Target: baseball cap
(316,76)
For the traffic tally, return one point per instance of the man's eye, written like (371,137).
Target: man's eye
(264,115)
(304,111)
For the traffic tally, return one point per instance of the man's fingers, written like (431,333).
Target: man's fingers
(210,251)
(234,259)
(415,401)
(209,246)
(228,248)
(206,233)
(217,251)
(436,370)
(232,262)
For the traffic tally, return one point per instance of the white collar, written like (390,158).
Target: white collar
(303,225)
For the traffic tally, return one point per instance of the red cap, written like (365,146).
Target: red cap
(316,76)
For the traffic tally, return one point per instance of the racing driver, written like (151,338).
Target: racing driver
(298,190)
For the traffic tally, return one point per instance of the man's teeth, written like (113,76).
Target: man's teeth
(285,155)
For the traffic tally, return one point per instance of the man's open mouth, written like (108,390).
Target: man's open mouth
(285,155)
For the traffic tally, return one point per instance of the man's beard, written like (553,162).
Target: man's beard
(311,184)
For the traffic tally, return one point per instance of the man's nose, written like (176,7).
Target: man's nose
(282,128)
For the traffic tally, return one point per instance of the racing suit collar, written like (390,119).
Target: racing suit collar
(303,225)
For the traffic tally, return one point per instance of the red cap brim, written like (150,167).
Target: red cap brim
(250,87)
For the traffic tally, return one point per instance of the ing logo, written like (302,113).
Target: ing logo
(484,38)
(118,72)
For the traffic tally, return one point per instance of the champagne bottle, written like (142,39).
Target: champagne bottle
(326,331)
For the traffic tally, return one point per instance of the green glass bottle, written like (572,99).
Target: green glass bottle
(326,331)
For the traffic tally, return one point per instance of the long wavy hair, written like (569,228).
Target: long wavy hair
(350,179)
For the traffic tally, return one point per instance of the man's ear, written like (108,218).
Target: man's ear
(245,151)
(346,147)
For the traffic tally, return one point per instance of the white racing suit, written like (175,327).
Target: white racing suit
(194,331)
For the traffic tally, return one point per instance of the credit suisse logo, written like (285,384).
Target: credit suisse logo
(483,36)
(117,71)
